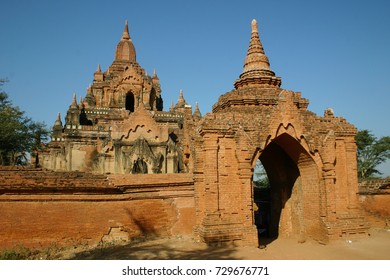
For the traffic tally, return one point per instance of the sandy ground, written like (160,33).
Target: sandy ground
(374,247)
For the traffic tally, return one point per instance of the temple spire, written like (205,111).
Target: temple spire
(155,78)
(74,102)
(256,65)
(58,122)
(181,101)
(181,97)
(56,132)
(125,51)
(197,112)
(126,35)
(172,108)
(255,58)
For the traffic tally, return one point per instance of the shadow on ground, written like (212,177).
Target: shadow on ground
(157,250)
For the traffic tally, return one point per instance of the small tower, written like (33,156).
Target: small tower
(98,75)
(89,99)
(154,77)
(197,113)
(257,70)
(181,101)
(73,115)
(56,131)
(74,105)
(172,108)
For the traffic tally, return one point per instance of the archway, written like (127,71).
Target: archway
(129,102)
(290,206)
(152,99)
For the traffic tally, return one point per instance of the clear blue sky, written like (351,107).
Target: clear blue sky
(336,52)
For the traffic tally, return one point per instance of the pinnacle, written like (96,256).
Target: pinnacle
(181,97)
(81,101)
(126,35)
(125,50)
(155,77)
(74,101)
(197,111)
(58,122)
(181,101)
(256,65)
(181,94)
(256,56)
(254,26)
(172,107)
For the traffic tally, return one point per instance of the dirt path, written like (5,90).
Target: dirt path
(376,246)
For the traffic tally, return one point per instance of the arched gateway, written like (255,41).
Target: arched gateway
(310,162)
(294,178)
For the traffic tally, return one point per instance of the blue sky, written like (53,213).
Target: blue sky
(337,53)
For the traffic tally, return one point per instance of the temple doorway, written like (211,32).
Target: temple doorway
(282,183)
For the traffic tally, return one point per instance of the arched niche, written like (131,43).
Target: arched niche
(130,102)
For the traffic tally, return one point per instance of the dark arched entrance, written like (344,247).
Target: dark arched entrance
(129,102)
(289,207)
(152,99)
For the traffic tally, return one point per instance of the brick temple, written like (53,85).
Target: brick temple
(148,171)
(119,126)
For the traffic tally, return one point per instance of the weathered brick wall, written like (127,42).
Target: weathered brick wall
(40,208)
(374,196)
(44,223)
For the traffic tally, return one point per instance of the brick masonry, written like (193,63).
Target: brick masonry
(43,208)
(374,196)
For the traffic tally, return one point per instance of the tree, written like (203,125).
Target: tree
(39,135)
(371,152)
(260,178)
(19,135)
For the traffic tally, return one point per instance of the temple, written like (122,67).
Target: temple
(119,128)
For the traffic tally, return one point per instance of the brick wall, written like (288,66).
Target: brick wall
(40,208)
(374,196)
